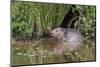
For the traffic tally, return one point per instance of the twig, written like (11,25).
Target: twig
(72,21)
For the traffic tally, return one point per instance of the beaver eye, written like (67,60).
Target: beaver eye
(56,31)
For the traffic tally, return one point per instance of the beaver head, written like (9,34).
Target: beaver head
(57,33)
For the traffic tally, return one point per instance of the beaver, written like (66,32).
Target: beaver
(67,36)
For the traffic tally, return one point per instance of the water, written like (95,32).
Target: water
(41,52)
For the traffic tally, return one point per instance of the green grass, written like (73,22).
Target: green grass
(28,17)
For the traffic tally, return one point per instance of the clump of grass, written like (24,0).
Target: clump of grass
(46,15)
(28,17)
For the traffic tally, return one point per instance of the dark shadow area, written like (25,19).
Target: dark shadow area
(68,17)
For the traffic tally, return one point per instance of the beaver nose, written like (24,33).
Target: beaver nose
(51,34)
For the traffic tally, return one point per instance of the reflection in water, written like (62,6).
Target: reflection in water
(48,50)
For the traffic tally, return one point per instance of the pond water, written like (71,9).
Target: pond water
(42,52)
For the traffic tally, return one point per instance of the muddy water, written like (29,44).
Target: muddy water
(41,52)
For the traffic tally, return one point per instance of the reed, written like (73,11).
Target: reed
(47,16)
(29,17)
